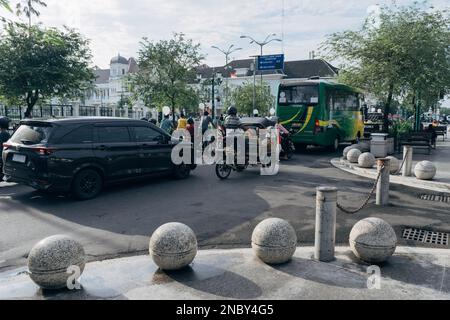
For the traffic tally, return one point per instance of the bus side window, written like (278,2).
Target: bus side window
(330,106)
(340,101)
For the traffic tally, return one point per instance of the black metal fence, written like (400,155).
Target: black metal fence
(86,111)
(62,111)
(120,113)
(14,113)
(45,111)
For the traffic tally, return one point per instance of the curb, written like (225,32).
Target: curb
(431,186)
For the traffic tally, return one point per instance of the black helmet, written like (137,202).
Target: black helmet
(4,122)
(232,111)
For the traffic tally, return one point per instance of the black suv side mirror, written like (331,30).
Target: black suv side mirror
(160,139)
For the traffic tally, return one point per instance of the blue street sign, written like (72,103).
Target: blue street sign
(273,62)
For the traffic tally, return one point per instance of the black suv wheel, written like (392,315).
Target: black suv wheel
(87,184)
(182,171)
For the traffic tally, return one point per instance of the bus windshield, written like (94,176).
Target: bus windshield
(301,94)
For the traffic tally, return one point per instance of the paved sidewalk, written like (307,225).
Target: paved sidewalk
(411,274)
(440,157)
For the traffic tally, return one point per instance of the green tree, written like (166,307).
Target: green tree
(165,70)
(29,9)
(242,98)
(400,53)
(5,4)
(40,63)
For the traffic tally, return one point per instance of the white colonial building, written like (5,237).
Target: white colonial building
(111,92)
(111,85)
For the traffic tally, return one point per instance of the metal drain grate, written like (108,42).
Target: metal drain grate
(425,236)
(432,197)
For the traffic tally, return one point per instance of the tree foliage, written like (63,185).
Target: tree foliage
(166,68)
(29,8)
(43,63)
(399,54)
(242,99)
(5,4)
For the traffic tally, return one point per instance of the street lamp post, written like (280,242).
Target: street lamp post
(262,44)
(266,41)
(227,54)
(214,82)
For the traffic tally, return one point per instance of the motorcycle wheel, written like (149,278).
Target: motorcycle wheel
(290,151)
(223,171)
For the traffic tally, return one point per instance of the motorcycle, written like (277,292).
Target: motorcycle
(224,169)
(287,145)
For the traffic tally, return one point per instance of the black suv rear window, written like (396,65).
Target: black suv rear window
(32,134)
(79,135)
(113,135)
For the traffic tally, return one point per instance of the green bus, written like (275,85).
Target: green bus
(320,113)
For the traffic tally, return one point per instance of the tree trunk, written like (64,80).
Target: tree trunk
(387,108)
(31,99)
(173,111)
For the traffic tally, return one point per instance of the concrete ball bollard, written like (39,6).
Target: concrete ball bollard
(274,241)
(50,259)
(373,240)
(353,155)
(364,146)
(425,170)
(347,150)
(366,160)
(173,246)
(395,164)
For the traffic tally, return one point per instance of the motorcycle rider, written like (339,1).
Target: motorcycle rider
(284,134)
(232,121)
(4,137)
(4,134)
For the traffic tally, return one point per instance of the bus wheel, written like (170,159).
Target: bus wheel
(300,147)
(335,146)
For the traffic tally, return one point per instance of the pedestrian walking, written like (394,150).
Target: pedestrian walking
(206,120)
(182,122)
(167,124)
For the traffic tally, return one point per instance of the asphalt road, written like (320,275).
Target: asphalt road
(222,213)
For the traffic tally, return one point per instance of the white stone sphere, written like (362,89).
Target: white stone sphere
(50,259)
(274,241)
(373,240)
(395,164)
(353,155)
(357,146)
(364,146)
(425,170)
(366,160)
(173,246)
(347,150)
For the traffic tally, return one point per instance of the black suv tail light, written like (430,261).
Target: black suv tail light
(44,151)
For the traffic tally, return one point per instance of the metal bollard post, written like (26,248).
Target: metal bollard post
(408,159)
(384,166)
(326,207)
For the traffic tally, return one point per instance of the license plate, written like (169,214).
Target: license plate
(19,158)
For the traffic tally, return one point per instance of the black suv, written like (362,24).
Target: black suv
(81,155)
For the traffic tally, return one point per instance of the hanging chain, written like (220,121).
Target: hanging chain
(403,163)
(348,211)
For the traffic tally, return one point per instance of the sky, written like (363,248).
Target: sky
(117,26)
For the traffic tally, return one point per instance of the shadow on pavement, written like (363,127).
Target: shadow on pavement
(324,273)
(213,280)
(423,272)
